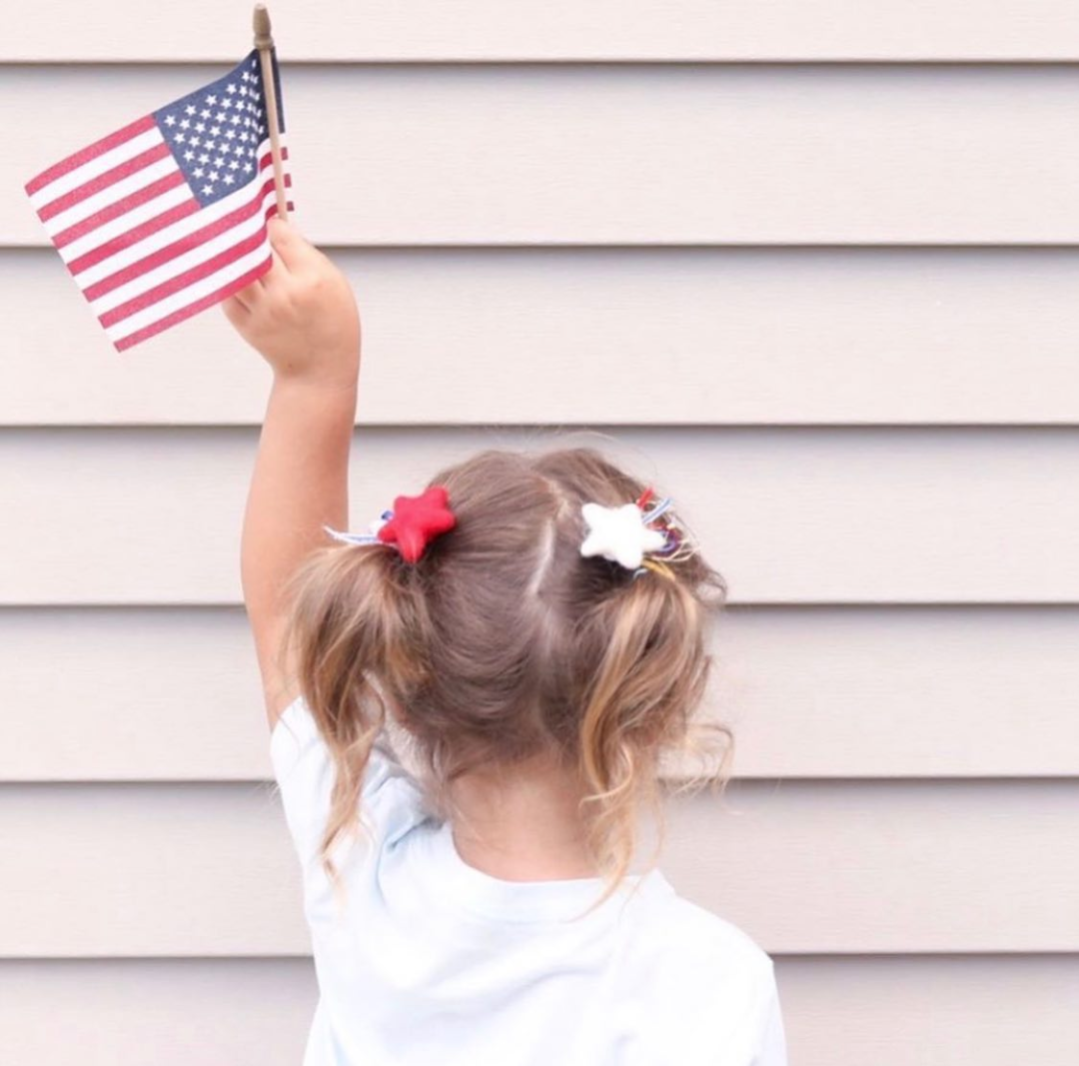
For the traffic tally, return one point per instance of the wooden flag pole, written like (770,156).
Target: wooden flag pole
(264,43)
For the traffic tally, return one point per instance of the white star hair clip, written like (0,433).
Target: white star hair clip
(619,534)
(625,535)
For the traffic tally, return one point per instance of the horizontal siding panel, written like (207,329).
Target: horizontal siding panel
(625,155)
(560,30)
(114,1009)
(804,867)
(173,694)
(931,1012)
(645,336)
(245,1012)
(898,693)
(146,694)
(143,516)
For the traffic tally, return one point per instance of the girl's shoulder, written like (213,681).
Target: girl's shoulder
(708,979)
(676,937)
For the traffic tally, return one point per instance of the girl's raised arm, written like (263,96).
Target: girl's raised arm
(302,317)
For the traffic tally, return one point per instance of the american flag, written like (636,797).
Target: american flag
(167,216)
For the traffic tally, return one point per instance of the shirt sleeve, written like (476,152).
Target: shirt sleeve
(303,769)
(772,1039)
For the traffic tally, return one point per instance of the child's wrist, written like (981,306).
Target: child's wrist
(342,375)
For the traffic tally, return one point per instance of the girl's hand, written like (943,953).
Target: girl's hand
(301,315)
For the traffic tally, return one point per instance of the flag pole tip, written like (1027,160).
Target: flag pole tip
(260,20)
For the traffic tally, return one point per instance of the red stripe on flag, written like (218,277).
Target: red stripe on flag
(103,181)
(147,229)
(287,183)
(271,211)
(171,251)
(194,308)
(121,207)
(181,281)
(267,188)
(267,159)
(92,151)
(133,236)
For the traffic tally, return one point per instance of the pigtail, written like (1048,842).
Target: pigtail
(643,645)
(651,667)
(354,639)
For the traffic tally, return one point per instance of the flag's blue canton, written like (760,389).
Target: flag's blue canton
(214,132)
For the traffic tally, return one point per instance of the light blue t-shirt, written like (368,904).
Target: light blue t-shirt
(433,962)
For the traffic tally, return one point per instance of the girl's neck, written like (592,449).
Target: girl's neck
(522,823)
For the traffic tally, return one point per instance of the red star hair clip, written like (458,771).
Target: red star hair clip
(412,524)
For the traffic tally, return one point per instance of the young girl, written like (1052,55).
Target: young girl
(531,628)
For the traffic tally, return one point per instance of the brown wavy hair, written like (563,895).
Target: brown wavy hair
(503,642)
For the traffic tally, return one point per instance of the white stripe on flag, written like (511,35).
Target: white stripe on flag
(80,175)
(127,221)
(117,191)
(210,213)
(202,287)
(199,254)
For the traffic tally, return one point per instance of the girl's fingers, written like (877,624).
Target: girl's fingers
(273,277)
(249,296)
(234,309)
(286,242)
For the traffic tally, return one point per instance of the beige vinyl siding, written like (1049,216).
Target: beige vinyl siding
(812,266)
(602,30)
(686,155)
(669,336)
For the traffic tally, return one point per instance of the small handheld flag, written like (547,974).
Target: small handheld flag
(167,216)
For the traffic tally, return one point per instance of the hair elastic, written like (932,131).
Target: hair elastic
(656,567)
(412,524)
